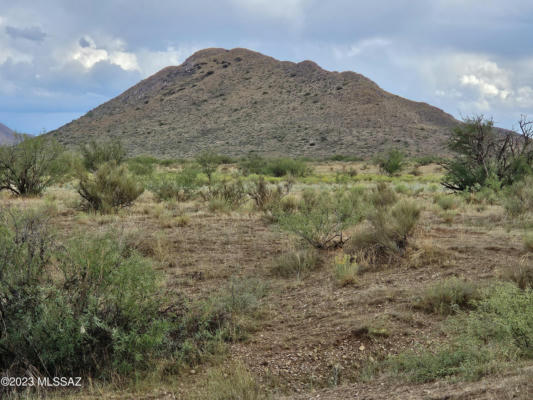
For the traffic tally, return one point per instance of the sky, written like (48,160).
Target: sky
(61,58)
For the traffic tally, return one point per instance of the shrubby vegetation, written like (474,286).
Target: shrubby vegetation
(498,331)
(110,188)
(321,218)
(274,166)
(181,186)
(487,156)
(96,310)
(96,153)
(391,162)
(32,165)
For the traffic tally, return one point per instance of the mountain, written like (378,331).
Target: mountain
(7,136)
(239,101)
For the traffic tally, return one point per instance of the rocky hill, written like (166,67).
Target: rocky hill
(7,136)
(239,101)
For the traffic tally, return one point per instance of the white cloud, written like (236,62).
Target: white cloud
(88,54)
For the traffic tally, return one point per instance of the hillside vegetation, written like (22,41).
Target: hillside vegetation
(238,101)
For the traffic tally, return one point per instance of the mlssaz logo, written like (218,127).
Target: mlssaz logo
(62,381)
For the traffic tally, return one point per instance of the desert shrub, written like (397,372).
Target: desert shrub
(322,217)
(110,188)
(209,162)
(180,186)
(448,297)
(28,168)
(346,270)
(487,156)
(268,198)
(499,330)
(426,160)
(295,263)
(518,198)
(230,383)
(402,189)
(391,162)
(446,202)
(142,165)
(388,235)
(341,157)
(95,311)
(227,194)
(521,273)
(96,153)
(274,167)
(382,196)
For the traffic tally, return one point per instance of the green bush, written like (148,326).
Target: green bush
(321,217)
(110,188)
(382,196)
(28,168)
(487,157)
(181,186)
(99,312)
(448,297)
(391,162)
(389,233)
(518,198)
(93,307)
(521,274)
(274,167)
(295,263)
(96,153)
(228,195)
(497,332)
(142,165)
(268,198)
(446,202)
(346,270)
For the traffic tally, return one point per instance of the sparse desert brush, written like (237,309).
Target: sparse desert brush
(448,216)
(230,382)
(518,198)
(391,162)
(425,253)
(267,197)
(110,188)
(346,270)
(521,273)
(448,297)
(402,189)
(180,186)
(322,217)
(226,195)
(274,167)
(486,339)
(96,153)
(388,233)
(446,202)
(295,263)
(382,196)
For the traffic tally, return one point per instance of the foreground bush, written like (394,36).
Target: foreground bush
(93,307)
(110,188)
(295,263)
(28,168)
(321,217)
(497,332)
(448,297)
(389,232)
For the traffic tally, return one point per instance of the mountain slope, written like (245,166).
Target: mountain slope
(7,136)
(238,101)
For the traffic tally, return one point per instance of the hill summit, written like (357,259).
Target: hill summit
(7,136)
(239,101)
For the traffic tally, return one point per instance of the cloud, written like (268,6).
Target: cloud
(34,33)
(282,9)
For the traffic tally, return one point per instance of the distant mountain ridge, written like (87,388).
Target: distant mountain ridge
(7,136)
(240,101)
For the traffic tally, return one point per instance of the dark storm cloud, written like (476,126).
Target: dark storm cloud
(33,33)
(463,56)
